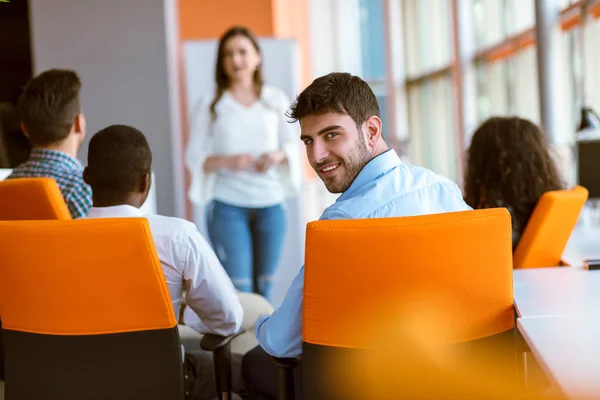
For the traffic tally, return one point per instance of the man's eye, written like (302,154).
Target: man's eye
(331,135)
(307,142)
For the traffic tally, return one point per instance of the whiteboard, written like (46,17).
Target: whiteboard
(281,68)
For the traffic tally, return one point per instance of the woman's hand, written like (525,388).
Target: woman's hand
(241,162)
(268,160)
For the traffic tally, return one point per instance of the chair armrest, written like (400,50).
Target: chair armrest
(285,372)
(221,349)
(212,342)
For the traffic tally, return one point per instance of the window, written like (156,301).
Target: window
(495,20)
(438,83)
(492,89)
(592,61)
(372,41)
(507,70)
(427,35)
(489,22)
(524,101)
(430,98)
(519,15)
(373,55)
(431,122)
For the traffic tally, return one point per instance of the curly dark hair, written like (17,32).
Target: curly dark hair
(509,164)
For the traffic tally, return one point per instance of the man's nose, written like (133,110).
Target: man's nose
(319,152)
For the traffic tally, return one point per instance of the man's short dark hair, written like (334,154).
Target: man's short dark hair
(337,92)
(118,158)
(49,104)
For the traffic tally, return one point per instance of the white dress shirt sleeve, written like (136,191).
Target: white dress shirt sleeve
(200,146)
(209,292)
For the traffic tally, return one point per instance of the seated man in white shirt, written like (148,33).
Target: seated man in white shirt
(119,171)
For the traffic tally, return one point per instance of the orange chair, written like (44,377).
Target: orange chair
(87,315)
(31,199)
(371,284)
(549,228)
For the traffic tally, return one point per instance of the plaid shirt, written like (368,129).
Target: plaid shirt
(66,171)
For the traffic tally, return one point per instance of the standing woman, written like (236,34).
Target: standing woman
(244,159)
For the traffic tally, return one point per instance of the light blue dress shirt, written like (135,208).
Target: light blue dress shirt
(384,188)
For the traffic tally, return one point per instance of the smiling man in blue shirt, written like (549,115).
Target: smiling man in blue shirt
(342,131)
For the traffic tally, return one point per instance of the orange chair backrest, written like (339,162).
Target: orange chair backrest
(84,277)
(31,199)
(549,228)
(366,276)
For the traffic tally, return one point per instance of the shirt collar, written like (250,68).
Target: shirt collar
(40,154)
(373,170)
(121,211)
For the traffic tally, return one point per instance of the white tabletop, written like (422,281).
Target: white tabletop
(556,291)
(564,290)
(568,349)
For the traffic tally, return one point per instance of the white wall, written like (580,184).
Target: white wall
(124,52)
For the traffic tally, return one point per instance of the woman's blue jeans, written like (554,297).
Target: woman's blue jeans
(248,242)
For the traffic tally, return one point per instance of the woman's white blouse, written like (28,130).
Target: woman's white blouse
(258,129)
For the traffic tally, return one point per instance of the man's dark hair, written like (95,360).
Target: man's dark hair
(337,92)
(118,158)
(49,104)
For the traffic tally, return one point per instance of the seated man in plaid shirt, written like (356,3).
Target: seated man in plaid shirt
(51,119)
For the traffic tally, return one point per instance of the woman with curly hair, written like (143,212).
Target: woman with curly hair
(509,165)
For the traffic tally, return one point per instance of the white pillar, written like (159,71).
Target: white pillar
(396,72)
(547,32)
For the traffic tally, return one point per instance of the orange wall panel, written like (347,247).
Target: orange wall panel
(290,20)
(202,19)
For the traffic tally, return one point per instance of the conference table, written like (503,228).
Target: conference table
(556,291)
(559,316)
(567,347)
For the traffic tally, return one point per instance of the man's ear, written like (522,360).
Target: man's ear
(79,124)
(146,183)
(85,176)
(24,129)
(373,127)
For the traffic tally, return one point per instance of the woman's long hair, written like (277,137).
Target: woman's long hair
(509,165)
(221,78)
